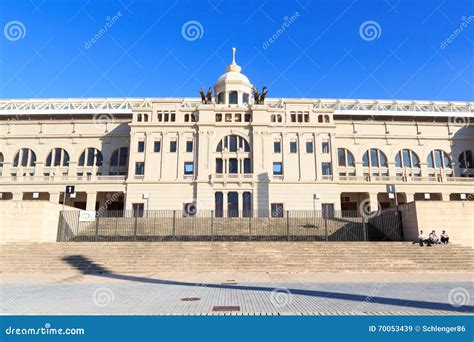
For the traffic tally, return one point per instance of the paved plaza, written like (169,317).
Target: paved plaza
(343,294)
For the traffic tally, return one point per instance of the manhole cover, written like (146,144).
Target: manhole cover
(226,308)
(190,299)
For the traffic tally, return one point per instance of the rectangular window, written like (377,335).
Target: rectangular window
(247,204)
(247,117)
(309,147)
(139,168)
(157,146)
(188,168)
(326,169)
(138,209)
(325,147)
(341,155)
(141,146)
(233,165)
(276,147)
(219,165)
(189,146)
(277,168)
(173,145)
(328,210)
(247,166)
(293,147)
(277,209)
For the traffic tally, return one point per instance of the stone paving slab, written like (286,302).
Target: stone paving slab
(132,295)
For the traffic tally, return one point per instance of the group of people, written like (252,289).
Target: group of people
(432,238)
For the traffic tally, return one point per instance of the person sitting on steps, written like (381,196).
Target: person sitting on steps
(434,238)
(444,237)
(422,239)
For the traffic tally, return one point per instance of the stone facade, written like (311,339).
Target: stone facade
(234,153)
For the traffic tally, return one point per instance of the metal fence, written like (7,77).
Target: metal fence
(387,222)
(176,225)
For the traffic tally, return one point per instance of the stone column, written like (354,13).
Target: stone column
(91,199)
(410,196)
(17,196)
(445,196)
(334,159)
(374,204)
(54,197)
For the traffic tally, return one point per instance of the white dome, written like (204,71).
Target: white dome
(233,76)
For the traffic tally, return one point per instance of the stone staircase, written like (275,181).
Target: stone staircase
(243,257)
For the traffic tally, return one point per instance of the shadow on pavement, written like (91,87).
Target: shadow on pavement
(87,266)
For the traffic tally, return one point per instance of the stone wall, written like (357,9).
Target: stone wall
(32,221)
(456,217)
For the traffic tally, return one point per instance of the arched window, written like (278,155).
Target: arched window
(465,160)
(345,157)
(91,157)
(245,98)
(407,158)
(139,117)
(220,98)
(233,143)
(57,157)
(438,159)
(374,158)
(119,157)
(227,161)
(1,159)
(24,157)
(145,117)
(233,97)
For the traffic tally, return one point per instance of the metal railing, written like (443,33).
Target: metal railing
(177,225)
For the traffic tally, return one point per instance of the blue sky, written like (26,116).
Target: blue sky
(46,49)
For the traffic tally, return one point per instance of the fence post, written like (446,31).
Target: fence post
(59,236)
(135,227)
(287,225)
(250,225)
(364,226)
(97,228)
(212,225)
(325,226)
(174,223)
